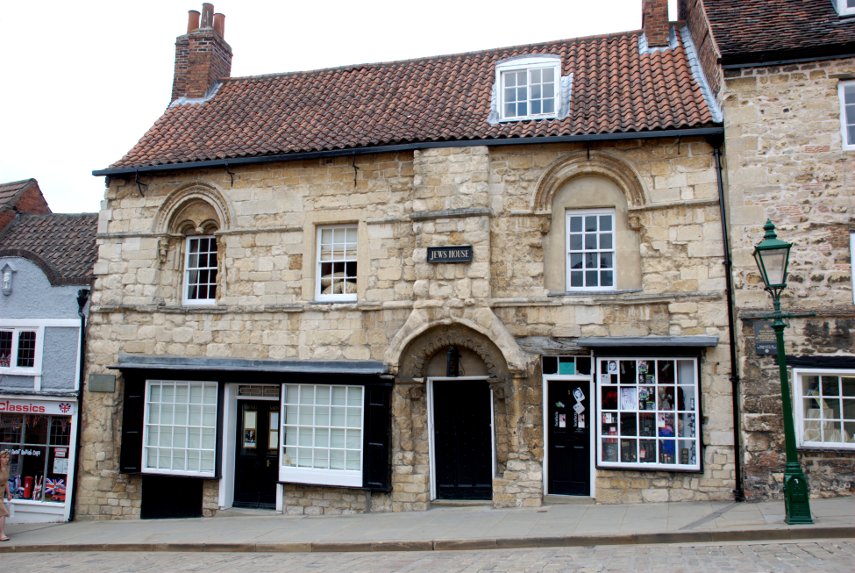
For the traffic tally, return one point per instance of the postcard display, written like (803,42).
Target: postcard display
(648,413)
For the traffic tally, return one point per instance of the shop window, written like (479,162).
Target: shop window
(336,263)
(200,270)
(40,449)
(648,413)
(323,439)
(180,428)
(18,349)
(825,408)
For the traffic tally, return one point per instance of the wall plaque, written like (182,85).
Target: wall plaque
(764,338)
(462,254)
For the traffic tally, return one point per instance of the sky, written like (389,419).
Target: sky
(83,81)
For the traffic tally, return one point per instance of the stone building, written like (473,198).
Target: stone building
(488,276)
(785,79)
(46,265)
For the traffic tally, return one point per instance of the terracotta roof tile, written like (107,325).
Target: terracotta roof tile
(62,244)
(615,89)
(760,30)
(9,192)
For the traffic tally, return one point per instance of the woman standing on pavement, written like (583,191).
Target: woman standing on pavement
(4,492)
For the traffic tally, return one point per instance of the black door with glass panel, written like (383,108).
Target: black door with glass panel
(462,440)
(569,420)
(256,471)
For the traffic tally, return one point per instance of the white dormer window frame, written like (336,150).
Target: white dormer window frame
(529,87)
(845,7)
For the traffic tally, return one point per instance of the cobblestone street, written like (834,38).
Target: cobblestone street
(831,556)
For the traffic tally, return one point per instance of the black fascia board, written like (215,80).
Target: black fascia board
(713,130)
(787,57)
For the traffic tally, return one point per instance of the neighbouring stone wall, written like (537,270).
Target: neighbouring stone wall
(785,162)
(497,200)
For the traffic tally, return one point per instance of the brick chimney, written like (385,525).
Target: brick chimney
(654,22)
(202,56)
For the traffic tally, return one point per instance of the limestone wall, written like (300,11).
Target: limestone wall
(498,200)
(785,162)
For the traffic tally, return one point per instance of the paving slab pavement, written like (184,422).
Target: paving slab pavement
(445,528)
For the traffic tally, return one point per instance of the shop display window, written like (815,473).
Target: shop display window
(825,408)
(648,413)
(180,430)
(40,451)
(322,429)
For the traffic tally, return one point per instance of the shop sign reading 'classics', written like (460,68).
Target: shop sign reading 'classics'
(462,254)
(64,408)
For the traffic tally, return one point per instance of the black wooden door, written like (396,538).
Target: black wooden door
(462,440)
(569,420)
(256,471)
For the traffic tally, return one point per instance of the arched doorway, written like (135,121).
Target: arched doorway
(464,377)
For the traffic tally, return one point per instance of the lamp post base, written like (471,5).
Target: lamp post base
(796,497)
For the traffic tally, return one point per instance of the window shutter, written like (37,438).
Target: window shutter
(376,470)
(130,459)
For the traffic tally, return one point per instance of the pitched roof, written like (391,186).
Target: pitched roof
(10,192)
(63,245)
(754,31)
(616,88)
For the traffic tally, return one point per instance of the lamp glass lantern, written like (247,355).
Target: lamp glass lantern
(773,257)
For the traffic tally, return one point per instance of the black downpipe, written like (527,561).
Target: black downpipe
(738,491)
(82,299)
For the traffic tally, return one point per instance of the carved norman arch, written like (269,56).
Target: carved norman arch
(417,354)
(200,206)
(581,164)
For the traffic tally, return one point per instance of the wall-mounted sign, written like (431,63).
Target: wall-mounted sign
(462,254)
(764,338)
(9,406)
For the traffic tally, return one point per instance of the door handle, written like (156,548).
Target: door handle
(267,462)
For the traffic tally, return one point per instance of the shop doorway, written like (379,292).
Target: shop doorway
(256,453)
(461,439)
(569,418)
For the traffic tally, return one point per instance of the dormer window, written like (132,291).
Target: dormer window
(529,88)
(845,7)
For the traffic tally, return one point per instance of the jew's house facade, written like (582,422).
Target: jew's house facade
(489,276)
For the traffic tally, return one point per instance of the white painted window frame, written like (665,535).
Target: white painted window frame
(852,262)
(16,327)
(798,394)
(846,119)
(320,261)
(658,465)
(208,387)
(568,254)
(185,288)
(529,64)
(843,9)
(319,476)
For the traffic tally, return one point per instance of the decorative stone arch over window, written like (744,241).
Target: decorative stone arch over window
(189,221)
(576,187)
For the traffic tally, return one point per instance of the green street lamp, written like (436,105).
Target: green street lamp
(772,256)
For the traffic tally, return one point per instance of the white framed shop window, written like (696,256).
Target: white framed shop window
(322,430)
(825,408)
(648,413)
(180,428)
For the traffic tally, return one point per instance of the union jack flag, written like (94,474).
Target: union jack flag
(55,488)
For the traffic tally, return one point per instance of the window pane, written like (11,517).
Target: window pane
(180,431)
(5,348)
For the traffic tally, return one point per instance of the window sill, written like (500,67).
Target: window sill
(594,292)
(827,448)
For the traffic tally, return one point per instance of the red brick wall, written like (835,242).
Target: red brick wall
(654,21)
(202,58)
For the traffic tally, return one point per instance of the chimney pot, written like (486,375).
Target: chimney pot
(207,15)
(192,20)
(220,24)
